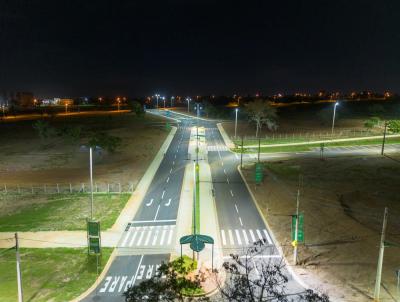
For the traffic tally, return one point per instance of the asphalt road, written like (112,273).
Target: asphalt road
(150,236)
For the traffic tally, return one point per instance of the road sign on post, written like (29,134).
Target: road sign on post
(94,237)
(168,126)
(259,173)
(300,232)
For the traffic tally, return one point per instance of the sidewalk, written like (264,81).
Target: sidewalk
(109,238)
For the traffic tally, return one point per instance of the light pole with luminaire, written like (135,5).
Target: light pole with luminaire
(334,114)
(188,101)
(236,115)
(66,108)
(157,96)
(172,99)
(163,98)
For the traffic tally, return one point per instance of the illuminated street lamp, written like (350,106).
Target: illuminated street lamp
(188,101)
(163,98)
(172,99)
(236,115)
(66,108)
(119,102)
(157,96)
(334,114)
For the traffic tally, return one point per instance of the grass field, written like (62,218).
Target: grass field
(309,147)
(49,274)
(56,212)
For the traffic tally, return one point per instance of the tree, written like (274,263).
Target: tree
(372,122)
(394,126)
(257,279)
(70,134)
(262,113)
(105,141)
(43,129)
(138,108)
(171,283)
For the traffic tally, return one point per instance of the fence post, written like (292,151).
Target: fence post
(5,188)
(70,188)
(44,187)
(19,189)
(119,186)
(58,189)
(83,188)
(95,187)
(32,189)
(108,188)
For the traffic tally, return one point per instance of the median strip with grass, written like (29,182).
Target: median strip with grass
(73,271)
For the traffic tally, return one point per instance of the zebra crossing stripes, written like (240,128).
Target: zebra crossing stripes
(244,237)
(148,236)
(217,148)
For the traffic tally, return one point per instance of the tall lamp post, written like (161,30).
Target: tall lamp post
(188,101)
(236,115)
(164,101)
(172,100)
(157,96)
(334,115)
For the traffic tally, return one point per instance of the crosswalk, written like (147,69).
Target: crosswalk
(244,237)
(217,148)
(190,128)
(148,236)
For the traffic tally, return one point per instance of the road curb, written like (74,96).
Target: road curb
(228,142)
(277,244)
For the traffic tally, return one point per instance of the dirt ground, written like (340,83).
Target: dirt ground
(343,202)
(27,160)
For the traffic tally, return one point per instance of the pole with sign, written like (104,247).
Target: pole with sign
(259,173)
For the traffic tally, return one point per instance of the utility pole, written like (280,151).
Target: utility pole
(296,232)
(91,183)
(384,139)
(19,278)
(259,149)
(241,156)
(380,259)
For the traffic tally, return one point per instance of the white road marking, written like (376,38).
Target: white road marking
(259,234)
(173,163)
(238,237)
(227,180)
(223,237)
(224,171)
(141,236)
(246,239)
(163,236)
(231,193)
(134,235)
(162,196)
(148,236)
(168,179)
(236,208)
(170,237)
(175,155)
(170,171)
(240,220)
(128,233)
(168,203)
(267,236)
(137,271)
(149,204)
(231,237)
(147,221)
(158,209)
(222,163)
(155,237)
(252,236)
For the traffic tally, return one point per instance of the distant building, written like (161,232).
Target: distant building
(23,99)
(57,102)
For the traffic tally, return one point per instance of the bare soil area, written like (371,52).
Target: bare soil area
(343,201)
(27,160)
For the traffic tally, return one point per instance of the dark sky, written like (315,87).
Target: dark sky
(99,47)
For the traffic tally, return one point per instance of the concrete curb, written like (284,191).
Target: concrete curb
(277,244)
(228,142)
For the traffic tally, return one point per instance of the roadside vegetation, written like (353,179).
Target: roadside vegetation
(72,272)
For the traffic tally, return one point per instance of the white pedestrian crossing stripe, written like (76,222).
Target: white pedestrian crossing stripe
(244,237)
(217,148)
(148,236)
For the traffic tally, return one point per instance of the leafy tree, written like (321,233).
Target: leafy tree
(251,279)
(372,122)
(394,126)
(262,113)
(171,283)
(43,129)
(105,141)
(138,108)
(70,134)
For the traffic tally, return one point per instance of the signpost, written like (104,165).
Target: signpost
(300,231)
(259,173)
(197,244)
(168,126)
(94,237)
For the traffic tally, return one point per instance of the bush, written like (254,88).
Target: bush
(43,129)
(105,141)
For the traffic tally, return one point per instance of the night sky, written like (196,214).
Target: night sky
(189,47)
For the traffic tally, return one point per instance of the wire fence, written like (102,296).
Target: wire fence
(69,188)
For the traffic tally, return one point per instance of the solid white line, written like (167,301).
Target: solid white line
(126,237)
(141,236)
(267,236)
(236,208)
(224,171)
(134,235)
(231,193)
(168,203)
(168,179)
(163,236)
(162,196)
(252,236)
(175,155)
(227,180)
(149,204)
(223,237)
(155,237)
(147,221)
(222,163)
(148,236)
(246,239)
(238,237)
(173,163)
(171,231)
(137,271)
(231,237)
(170,171)
(259,234)
(155,217)
(240,220)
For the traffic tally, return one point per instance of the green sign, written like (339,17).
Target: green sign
(197,241)
(300,232)
(93,228)
(168,126)
(94,245)
(259,172)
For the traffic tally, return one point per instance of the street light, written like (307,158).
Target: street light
(157,96)
(188,101)
(236,115)
(172,99)
(334,114)
(66,108)
(164,101)
(118,102)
